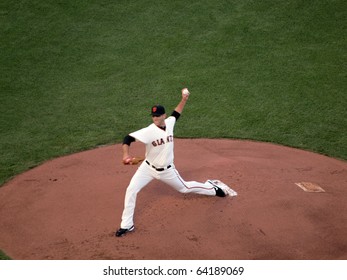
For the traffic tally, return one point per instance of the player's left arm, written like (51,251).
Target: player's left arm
(179,108)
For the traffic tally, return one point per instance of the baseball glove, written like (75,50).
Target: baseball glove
(133,160)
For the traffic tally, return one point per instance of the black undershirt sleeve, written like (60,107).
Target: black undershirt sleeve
(176,115)
(128,140)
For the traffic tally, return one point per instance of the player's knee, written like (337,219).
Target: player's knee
(132,188)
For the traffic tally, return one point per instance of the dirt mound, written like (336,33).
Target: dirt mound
(68,208)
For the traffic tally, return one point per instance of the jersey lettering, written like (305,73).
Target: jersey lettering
(161,141)
(169,139)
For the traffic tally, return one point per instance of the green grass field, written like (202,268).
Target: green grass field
(3,256)
(78,74)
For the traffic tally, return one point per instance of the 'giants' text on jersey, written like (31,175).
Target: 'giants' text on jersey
(161,141)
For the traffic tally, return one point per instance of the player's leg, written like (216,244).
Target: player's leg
(140,179)
(173,178)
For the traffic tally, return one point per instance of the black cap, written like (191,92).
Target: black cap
(157,110)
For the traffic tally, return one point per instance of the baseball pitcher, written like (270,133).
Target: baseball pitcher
(158,163)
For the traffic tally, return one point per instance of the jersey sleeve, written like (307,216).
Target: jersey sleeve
(170,121)
(143,135)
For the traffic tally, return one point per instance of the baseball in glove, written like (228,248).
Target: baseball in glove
(132,160)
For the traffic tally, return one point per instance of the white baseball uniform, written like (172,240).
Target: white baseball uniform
(159,164)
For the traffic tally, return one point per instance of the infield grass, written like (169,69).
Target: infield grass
(78,74)
(3,256)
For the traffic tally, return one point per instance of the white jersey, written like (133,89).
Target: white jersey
(159,143)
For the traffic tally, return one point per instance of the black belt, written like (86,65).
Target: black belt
(158,169)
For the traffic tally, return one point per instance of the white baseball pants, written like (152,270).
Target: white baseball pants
(146,174)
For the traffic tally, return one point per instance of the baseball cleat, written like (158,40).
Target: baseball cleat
(123,231)
(223,187)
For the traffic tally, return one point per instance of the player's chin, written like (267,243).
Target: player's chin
(156,122)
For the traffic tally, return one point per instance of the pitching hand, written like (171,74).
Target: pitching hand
(185,94)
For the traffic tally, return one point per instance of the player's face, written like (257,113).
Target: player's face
(159,120)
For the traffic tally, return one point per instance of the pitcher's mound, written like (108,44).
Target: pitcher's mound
(68,208)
